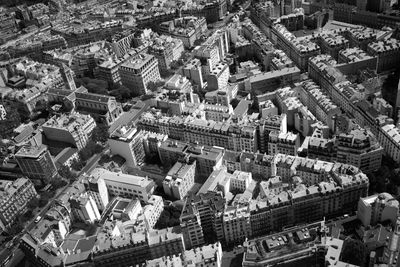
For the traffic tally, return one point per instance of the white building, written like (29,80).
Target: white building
(236,222)
(218,77)
(389,138)
(180,179)
(126,185)
(128,143)
(74,129)
(240,181)
(378,208)
(138,72)
(153,210)
(96,187)
(84,208)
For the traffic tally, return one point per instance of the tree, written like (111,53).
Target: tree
(77,165)
(174,65)
(234,103)
(100,133)
(354,252)
(58,183)
(168,218)
(33,203)
(45,198)
(153,86)
(11,121)
(391,188)
(94,85)
(65,172)
(121,93)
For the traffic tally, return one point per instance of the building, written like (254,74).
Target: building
(84,208)
(153,210)
(36,163)
(97,189)
(206,256)
(201,219)
(207,158)
(359,148)
(136,248)
(193,71)
(389,138)
(126,185)
(236,222)
(78,32)
(137,73)
(218,77)
(127,142)
(265,82)
(377,209)
(104,109)
(319,103)
(188,29)
(166,49)
(14,197)
(277,248)
(180,179)
(285,143)
(299,50)
(388,53)
(307,190)
(74,129)
(121,42)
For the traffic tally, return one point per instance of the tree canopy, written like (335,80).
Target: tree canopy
(354,252)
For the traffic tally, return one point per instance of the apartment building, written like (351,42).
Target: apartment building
(137,73)
(104,109)
(193,71)
(126,185)
(79,32)
(378,208)
(201,219)
(14,197)
(74,129)
(36,162)
(388,53)
(277,248)
(108,69)
(166,49)
(207,158)
(331,42)
(232,135)
(310,190)
(188,29)
(153,210)
(389,138)
(207,256)
(121,42)
(353,54)
(236,222)
(180,179)
(84,208)
(319,103)
(359,148)
(218,77)
(361,36)
(127,142)
(285,143)
(299,50)
(140,247)
(97,189)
